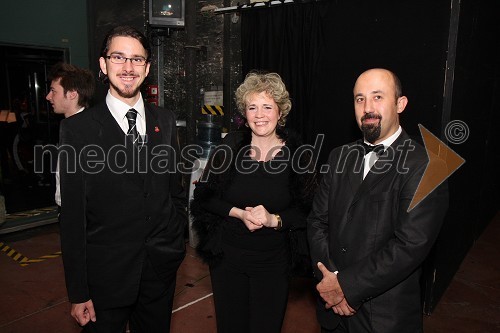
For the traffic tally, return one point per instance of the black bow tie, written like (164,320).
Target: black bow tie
(378,149)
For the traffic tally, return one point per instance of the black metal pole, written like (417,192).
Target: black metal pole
(190,68)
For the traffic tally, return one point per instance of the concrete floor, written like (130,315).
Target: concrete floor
(33,296)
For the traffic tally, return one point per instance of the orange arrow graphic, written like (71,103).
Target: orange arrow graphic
(443,161)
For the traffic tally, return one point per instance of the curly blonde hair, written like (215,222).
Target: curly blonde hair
(272,84)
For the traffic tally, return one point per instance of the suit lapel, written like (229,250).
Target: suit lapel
(386,165)
(153,128)
(354,166)
(110,132)
(155,136)
(110,135)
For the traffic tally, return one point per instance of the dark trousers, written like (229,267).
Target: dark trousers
(250,290)
(341,328)
(358,323)
(364,322)
(347,325)
(151,313)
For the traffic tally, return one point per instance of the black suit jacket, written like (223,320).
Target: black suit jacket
(119,206)
(363,230)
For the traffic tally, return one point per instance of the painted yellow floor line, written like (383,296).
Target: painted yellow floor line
(23,260)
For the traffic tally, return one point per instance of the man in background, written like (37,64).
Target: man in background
(71,89)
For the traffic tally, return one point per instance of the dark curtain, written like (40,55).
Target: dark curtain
(320,48)
(287,39)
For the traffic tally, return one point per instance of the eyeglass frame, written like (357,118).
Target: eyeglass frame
(124,62)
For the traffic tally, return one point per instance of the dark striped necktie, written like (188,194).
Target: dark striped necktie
(132,126)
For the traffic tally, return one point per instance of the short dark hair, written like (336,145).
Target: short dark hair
(73,78)
(125,31)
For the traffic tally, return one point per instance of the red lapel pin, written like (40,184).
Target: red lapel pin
(157,129)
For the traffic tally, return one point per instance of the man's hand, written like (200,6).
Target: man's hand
(329,287)
(330,291)
(83,312)
(343,308)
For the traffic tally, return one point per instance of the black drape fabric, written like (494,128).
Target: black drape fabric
(287,39)
(319,48)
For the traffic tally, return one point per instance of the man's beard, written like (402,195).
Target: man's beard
(126,92)
(371,132)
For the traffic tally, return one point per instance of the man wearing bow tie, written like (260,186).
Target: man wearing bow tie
(122,211)
(367,246)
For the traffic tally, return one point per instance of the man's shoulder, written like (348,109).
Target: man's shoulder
(160,111)
(87,121)
(75,119)
(346,149)
(412,150)
(86,113)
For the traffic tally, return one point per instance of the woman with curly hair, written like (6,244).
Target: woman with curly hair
(249,208)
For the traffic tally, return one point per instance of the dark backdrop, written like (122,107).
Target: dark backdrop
(443,53)
(320,48)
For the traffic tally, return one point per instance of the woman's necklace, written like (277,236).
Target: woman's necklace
(266,153)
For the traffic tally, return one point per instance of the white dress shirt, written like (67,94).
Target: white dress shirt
(372,157)
(119,111)
(57,195)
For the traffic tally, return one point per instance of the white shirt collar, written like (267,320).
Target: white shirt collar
(369,161)
(389,141)
(119,109)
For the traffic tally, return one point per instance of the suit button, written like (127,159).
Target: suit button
(343,250)
(146,194)
(148,218)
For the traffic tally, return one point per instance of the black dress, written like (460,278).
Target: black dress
(251,274)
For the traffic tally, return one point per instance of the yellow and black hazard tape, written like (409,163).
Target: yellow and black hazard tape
(213,109)
(13,254)
(23,260)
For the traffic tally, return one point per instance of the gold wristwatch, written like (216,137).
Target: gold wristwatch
(280,222)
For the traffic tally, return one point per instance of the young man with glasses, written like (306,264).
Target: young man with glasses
(123,209)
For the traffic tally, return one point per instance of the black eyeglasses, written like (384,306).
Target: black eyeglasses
(118,59)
